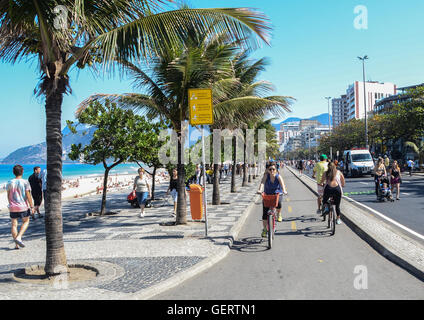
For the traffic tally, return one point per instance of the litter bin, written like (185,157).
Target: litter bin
(196,201)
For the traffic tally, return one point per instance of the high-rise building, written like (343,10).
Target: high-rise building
(374,91)
(339,110)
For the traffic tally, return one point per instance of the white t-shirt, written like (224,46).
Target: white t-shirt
(140,184)
(16,194)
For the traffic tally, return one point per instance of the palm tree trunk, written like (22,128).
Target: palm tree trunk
(181,200)
(215,193)
(55,251)
(234,171)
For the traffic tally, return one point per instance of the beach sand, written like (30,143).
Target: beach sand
(85,186)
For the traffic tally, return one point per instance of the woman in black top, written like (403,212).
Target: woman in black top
(173,183)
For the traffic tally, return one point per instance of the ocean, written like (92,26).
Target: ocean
(68,170)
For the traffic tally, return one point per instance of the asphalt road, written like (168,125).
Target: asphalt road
(408,211)
(304,263)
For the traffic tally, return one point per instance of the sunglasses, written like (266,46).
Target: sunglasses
(272,169)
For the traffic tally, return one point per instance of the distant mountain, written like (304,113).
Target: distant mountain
(322,118)
(37,154)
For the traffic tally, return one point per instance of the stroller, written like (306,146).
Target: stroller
(383,190)
(132,200)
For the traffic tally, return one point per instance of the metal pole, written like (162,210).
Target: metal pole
(365,106)
(204,183)
(365,100)
(329,125)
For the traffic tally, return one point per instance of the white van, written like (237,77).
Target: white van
(357,162)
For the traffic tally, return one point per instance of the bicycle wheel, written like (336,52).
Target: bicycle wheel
(329,218)
(333,219)
(270,230)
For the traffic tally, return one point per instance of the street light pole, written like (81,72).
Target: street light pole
(329,125)
(365,100)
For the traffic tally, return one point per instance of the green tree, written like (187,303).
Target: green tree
(409,115)
(120,136)
(418,148)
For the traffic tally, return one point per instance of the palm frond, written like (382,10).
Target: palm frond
(154,34)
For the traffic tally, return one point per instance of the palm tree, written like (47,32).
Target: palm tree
(246,101)
(62,34)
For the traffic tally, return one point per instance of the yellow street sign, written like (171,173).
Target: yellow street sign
(201,107)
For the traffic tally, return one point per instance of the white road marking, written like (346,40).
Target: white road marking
(388,219)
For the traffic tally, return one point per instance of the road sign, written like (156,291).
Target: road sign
(201,107)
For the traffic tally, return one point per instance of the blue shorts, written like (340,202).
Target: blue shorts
(142,197)
(20,215)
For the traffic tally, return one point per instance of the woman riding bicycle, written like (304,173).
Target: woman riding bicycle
(273,183)
(335,181)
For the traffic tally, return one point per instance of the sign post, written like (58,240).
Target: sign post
(201,113)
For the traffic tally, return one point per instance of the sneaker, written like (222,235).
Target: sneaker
(280,218)
(33,217)
(40,215)
(264,233)
(319,211)
(19,243)
(339,221)
(141,215)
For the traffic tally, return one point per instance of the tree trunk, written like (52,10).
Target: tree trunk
(55,251)
(103,206)
(234,171)
(215,193)
(154,182)
(181,200)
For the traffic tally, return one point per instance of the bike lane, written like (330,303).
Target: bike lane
(304,263)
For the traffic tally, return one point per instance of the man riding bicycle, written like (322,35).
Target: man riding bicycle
(273,183)
(319,170)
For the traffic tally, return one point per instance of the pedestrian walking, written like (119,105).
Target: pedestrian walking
(410,164)
(20,204)
(43,177)
(36,191)
(173,183)
(395,179)
(379,173)
(142,190)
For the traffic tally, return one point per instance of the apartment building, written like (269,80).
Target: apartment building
(374,91)
(339,110)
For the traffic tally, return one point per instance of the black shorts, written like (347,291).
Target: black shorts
(38,198)
(20,215)
(265,210)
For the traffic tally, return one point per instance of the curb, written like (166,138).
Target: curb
(377,245)
(201,266)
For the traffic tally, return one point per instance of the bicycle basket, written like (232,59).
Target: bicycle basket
(270,200)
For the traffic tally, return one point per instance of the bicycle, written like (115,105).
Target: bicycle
(331,223)
(271,202)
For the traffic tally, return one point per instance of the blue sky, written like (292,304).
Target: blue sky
(313,54)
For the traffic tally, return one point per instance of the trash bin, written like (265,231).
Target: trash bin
(196,201)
